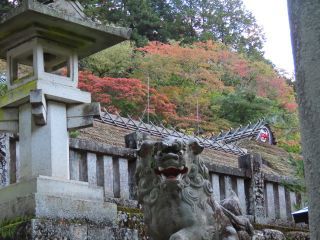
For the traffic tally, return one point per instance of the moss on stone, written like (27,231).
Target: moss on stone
(283,229)
(130,210)
(132,218)
(8,228)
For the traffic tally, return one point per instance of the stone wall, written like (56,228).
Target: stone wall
(47,229)
(111,170)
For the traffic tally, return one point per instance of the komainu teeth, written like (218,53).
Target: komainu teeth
(181,168)
(160,168)
(179,177)
(163,177)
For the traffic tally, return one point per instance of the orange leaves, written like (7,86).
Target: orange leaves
(197,52)
(188,81)
(127,95)
(192,73)
(195,63)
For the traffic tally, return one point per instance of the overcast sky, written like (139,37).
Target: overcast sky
(272,15)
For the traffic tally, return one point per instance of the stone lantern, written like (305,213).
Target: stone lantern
(42,42)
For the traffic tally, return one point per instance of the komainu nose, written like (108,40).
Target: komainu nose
(170,156)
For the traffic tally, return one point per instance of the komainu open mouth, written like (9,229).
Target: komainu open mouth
(171,173)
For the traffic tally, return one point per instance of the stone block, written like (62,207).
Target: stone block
(9,120)
(270,201)
(228,186)
(44,150)
(74,164)
(271,234)
(293,201)
(100,233)
(127,234)
(242,195)
(62,230)
(92,168)
(108,176)
(216,187)
(79,122)
(124,178)
(54,207)
(48,197)
(282,202)
(81,115)
(39,107)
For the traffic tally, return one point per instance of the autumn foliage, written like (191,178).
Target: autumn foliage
(213,64)
(126,95)
(204,86)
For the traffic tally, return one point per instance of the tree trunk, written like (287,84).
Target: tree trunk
(305,33)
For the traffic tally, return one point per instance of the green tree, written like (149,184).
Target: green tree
(185,20)
(229,22)
(242,107)
(136,14)
(116,61)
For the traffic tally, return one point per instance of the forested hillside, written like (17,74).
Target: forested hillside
(203,61)
(200,88)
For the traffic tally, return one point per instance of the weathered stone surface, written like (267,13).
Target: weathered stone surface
(44,149)
(257,188)
(176,194)
(92,168)
(108,176)
(48,229)
(93,37)
(81,115)
(270,201)
(242,194)
(215,186)
(282,202)
(126,234)
(100,233)
(9,120)
(271,234)
(297,236)
(56,199)
(102,148)
(39,107)
(258,235)
(124,178)
(132,218)
(4,159)
(232,204)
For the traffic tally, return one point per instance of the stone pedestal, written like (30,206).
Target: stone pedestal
(48,197)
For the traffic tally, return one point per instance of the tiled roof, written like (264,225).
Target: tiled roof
(276,160)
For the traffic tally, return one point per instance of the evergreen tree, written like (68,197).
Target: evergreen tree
(229,22)
(185,20)
(136,14)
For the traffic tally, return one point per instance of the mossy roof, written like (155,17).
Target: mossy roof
(276,160)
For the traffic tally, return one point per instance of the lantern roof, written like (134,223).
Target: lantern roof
(60,21)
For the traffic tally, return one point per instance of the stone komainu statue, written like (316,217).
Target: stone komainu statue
(176,195)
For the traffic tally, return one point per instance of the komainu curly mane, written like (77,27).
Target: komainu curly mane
(176,195)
